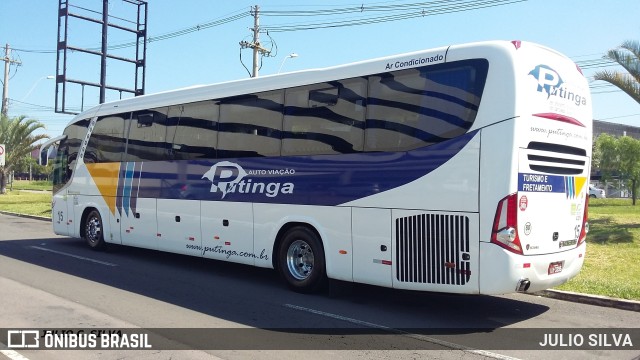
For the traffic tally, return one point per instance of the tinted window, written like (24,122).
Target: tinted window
(192,130)
(250,125)
(325,118)
(107,140)
(148,135)
(67,153)
(417,107)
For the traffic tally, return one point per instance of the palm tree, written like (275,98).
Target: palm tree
(17,135)
(628,56)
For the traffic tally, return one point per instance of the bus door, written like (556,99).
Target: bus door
(62,171)
(137,208)
(137,216)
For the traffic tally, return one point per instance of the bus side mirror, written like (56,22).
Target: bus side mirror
(44,157)
(44,149)
(47,153)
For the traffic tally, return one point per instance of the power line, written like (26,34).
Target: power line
(185,31)
(395,13)
(595,63)
(619,117)
(421,6)
(100,13)
(374,13)
(34,107)
(165,36)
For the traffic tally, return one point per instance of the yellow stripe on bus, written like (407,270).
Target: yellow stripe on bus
(105,176)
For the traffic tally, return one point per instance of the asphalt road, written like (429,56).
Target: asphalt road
(53,282)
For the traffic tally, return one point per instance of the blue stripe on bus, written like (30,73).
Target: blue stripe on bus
(135,186)
(126,193)
(120,188)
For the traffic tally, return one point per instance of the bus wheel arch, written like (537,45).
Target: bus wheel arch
(299,257)
(92,229)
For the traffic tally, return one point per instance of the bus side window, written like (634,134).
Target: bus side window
(193,130)
(323,97)
(107,140)
(250,125)
(147,135)
(326,118)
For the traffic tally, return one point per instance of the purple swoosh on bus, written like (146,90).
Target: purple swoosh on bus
(309,180)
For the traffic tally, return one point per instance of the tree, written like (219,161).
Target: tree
(619,156)
(628,56)
(17,134)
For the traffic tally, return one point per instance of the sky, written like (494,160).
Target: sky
(581,29)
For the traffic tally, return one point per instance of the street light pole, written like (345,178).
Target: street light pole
(48,77)
(292,55)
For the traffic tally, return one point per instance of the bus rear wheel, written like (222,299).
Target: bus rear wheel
(301,260)
(93,234)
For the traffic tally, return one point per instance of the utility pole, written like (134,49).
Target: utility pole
(256,40)
(5,89)
(255,45)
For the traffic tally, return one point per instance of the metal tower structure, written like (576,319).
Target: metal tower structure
(64,49)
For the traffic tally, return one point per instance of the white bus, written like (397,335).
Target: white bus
(461,169)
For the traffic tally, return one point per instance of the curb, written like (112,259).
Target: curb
(597,300)
(34,217)
(623,304)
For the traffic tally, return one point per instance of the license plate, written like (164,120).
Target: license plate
(555,267)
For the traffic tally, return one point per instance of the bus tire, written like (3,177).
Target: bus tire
(93,233)
(301,260)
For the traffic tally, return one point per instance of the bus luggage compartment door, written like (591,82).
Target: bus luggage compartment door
(372,256)
(59,214)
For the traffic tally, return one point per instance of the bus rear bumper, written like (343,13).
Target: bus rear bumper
(503,272)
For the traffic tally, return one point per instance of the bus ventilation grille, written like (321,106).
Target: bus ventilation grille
(433,249)
(556,159)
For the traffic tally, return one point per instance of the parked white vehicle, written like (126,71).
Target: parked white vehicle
(594,192)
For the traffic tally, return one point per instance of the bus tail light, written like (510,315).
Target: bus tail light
(585,222)
(505,225)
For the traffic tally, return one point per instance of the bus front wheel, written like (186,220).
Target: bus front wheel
(301,260)
(93,230)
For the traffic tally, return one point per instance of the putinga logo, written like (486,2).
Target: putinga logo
(228,177)
(550,82)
